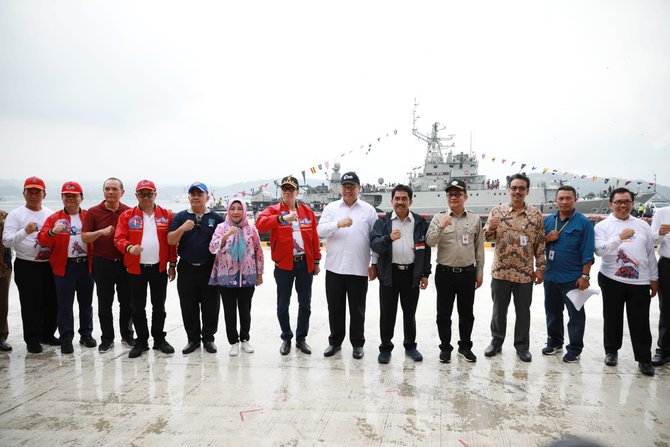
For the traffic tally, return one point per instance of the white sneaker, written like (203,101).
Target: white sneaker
(234,350)
(246,347)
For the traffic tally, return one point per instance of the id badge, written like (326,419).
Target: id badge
(523,240)
(551,255)
(466,239)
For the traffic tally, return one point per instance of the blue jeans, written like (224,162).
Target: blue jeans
(303,286)
(555,297)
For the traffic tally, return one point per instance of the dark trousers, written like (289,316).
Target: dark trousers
(338,289)
(636,299)
(237,299)
(501,292)
(388,309)
(664,306)
(303,287)
(76,279)
(4,305)
(196,296)
(459,287)
(109,274)
(157,282)
(555,298)
(37,294)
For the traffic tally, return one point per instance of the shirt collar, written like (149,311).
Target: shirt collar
(395,216)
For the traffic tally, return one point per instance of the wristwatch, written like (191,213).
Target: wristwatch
(586,276)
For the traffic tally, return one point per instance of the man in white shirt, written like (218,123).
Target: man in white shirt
(628,278)
(660,227)
(32,271)
(346,226)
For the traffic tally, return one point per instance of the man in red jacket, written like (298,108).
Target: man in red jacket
(141,234)
(296,251)
(69,262)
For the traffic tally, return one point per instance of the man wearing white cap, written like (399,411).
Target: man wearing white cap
(32,272)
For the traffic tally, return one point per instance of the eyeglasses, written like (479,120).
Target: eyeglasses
(145,195)
(455,194)
(518,188)
(623,202)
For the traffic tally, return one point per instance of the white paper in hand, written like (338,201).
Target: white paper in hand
(579,297)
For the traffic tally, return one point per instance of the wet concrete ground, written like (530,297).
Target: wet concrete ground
(93,399)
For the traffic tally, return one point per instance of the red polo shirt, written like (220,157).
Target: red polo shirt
(99,217)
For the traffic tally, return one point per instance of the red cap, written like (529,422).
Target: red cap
(145,184)
(71,188)
(34,182)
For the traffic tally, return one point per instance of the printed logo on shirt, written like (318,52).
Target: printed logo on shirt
(66,228)
(162,221)
(42,252)
(628,268)
(77,249)
(135,223)
(210,222)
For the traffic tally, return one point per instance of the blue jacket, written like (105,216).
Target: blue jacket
(381,243)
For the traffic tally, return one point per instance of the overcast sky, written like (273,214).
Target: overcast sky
(235,91)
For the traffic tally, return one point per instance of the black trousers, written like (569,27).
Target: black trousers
(157,282)
(37,294)
(664,306)
(338,289)
(109,274)
(401,281)
(196,296)
(502,292)
(636,300)
(237,299)
(459,287)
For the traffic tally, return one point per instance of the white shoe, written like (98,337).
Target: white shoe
(246,347)
(234,350)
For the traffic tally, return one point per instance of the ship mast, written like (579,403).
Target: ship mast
(434,153)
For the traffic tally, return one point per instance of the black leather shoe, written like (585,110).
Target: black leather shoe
(190,347)
(524,356)
(66,347)
(34,347)
(658,359)
(303,346)
(137,351)
(128,341)
(646,368)
(285,347)
(88,341)
(611,359)
(492,350)
(51,341)
(4,346)
(163,346)
(331,350)
(210,347)
(358,352)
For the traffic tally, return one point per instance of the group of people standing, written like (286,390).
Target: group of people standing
(125,250)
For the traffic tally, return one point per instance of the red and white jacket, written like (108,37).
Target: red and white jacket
(129,232)
(60,242)
(281,235)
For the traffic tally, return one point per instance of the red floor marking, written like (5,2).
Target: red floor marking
(462,443)
(248,411)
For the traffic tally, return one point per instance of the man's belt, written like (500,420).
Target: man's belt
(403,266)
(150,266)
(78,260)
(298,258)
(447,268)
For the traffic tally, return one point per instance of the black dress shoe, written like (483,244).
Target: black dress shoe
(303,346)
(88,341)
(4,346)
(34,347)
(163,346)
(358,352)
(190,347)
(331,350)
(66,347)
(51,341)
(210,347)
(611,358)
(491,350)
(524,356)
(659,359)
(646,368)
(285,347)
(137,351)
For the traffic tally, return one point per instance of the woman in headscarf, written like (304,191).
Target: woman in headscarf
(238,268)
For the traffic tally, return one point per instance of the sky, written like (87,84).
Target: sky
(226,92)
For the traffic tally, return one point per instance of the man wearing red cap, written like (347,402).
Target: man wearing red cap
(32,272)
(61,232)
(141,235)
(108,269)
